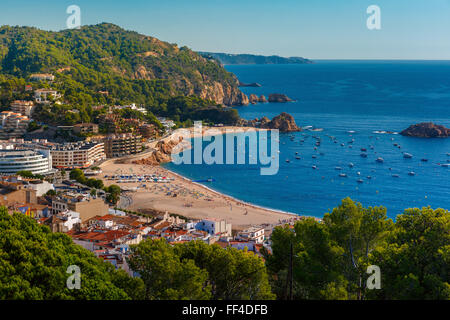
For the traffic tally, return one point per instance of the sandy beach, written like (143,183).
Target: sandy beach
(184,197)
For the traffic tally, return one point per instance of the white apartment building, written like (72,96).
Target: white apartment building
(214,226)
(36,161)
(253,234)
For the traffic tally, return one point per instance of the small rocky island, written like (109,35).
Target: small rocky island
(278,97)
(426,130)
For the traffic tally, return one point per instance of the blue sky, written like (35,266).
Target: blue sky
(317,29)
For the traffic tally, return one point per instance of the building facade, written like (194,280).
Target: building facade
(36,161)
(77,155)
(122,144)
(25,108)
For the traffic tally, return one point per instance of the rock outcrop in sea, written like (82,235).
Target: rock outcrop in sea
(254,99)
(278,97)
(426,130)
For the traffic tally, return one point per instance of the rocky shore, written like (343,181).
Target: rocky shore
(426,130)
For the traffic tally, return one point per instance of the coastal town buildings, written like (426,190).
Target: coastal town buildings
(25,108)
(118,145)
(36,161)
(77,155)
(85,128)
(86,205)
(13,125)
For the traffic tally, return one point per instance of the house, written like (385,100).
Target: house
(253,234)
(42,95)
(42,77)
(85,128)
(214,226)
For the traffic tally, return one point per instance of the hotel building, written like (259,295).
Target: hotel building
(122,144)
(77,155)
(38,162)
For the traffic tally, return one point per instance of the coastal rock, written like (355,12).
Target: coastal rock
(426,130)
(253,98)
(262,99)
(283,122)
(277,97)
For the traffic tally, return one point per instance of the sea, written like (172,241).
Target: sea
(360,105)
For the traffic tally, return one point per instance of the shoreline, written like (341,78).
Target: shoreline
(191,199)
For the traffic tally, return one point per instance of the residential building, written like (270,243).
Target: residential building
(36,161)
(214,226)
(85,128)
(42,95)
(77,155)
(253,234)
(42,77)
(13,125)
(25,108)
(86,206)
(147,131)
(118,145)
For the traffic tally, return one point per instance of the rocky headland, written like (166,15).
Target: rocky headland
(278,97)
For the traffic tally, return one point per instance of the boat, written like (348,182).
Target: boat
(363,149)
(380,160)
(314,167)
(358,173)
(411,173)
(395,175)
(298,158)
(369,177)
(360,181)
(351,165)
(337,168)
(343,175)
(445,165)
(364,155)
(407,155)
(342,144)
(314,156)
(424,160)
(287,160)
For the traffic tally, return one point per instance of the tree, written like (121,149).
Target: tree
(165,275)
(232,273)
(358,231)
(34,261)
(415,263)
(317,262)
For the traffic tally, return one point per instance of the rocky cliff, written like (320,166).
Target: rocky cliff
(283,122)
(426,130)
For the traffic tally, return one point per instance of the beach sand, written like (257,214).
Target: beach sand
(192,200)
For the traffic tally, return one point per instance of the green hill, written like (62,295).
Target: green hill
(131,67)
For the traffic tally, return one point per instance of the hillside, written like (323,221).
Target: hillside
(227,58)
(104,57)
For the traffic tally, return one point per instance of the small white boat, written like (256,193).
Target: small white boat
(395,175)
(407,155)
(343,175)
(360,181)
(351,165)
(411,173)
(337,168)
(314,167)
(380,160)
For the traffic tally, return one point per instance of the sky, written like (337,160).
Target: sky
(315,29)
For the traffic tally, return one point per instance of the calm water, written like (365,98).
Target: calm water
(340,97)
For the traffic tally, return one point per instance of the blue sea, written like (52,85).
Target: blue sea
(350,100)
